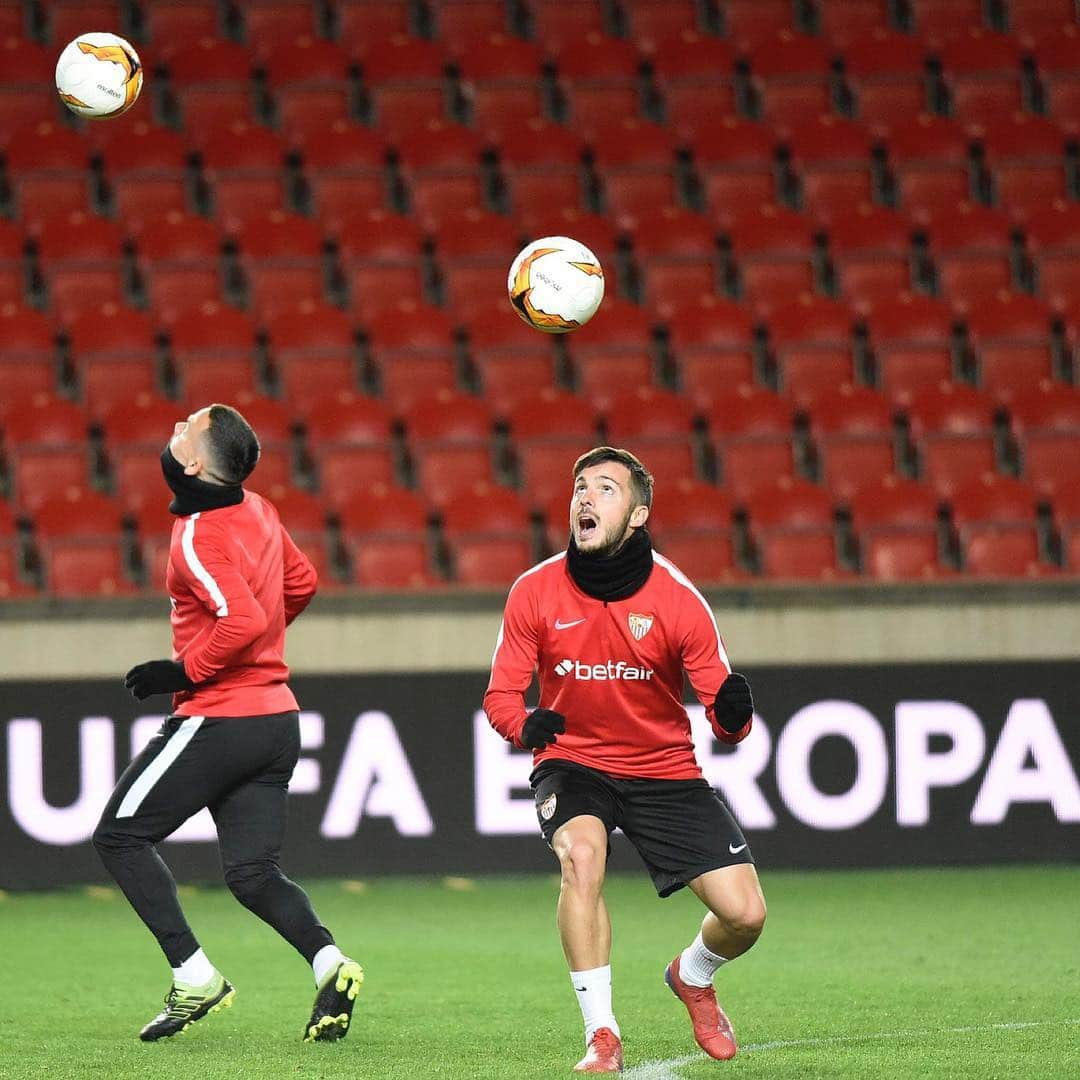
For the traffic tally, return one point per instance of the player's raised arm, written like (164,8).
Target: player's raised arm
(299,576)
(513,664)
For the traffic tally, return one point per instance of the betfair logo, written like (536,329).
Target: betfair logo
(613,669)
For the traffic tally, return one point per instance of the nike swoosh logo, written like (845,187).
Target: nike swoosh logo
(559,625)
(735,850)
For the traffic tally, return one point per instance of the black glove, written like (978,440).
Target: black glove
(157,677)
(734,705)
(542,726)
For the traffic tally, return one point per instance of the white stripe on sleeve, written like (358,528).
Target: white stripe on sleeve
(157,768)
(683,580)
(200,571)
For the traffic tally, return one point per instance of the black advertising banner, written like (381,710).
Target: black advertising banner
(847,766)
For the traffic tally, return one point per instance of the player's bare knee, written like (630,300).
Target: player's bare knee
(746,917)
(582,865)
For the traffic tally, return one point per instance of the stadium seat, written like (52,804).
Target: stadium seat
(82,259)
(748,23)
(443,169)
(29,362)
(174,25)
(896,522)
(28,67)
(704,555)
(1053,236)
(676,254)
(48,174)
(459,23)
(946,19)
(381,255)
(911,339)
(871,254)
(791,75)
(636,164)
(811,340)
(1057,59)
(599,79)
(974,253)
(309,80)
(694,76)
(501,78)
(471,249)
(350,439)
(753,436)
(67,19)
(1026,157)
(691,524)
(833,160)
(1038,19)
(179,262)
(712,345)
(736,163)
(12,264)
(210,80)
(549,433)
(47,449)
(930,160)
(600,371)
(272,24)
(658,426)
(1001,550)
(113,352)
(405,81)
(655,22)
(361,22)
(281,256)
(1045,420)
(953,430)
(450,442)
(982,75)
(852,430)
(993,498)
(1012,337)
(542,166)
(345,169)
(385,536)
(313,355)
(86,567)
(596,231)
(799,553)
(245,166)
(893,501)
(886,73)
(774,257)
(147,173)
(213,353)
(842,21)
(77,512)
(555,23)
(489,536)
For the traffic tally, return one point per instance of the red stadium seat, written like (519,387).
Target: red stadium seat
(789,503)
(541,163)
(930,161)
(655,22)
(712,343)
(442,167)
(68,19)
(393,562)
(213,351)
(599,77)
(147,173)
(601,371)
(309,80)
(555,23)
(953,430)
(1012,338)
(549,433)
(1001,550)
(113,350)
(12,264)
(843,21)
(1026,156)
(501,80)
(146,419)
(944,19)
(657,425)
(471,252)
(812,342)
(81,258)
(852,428)
(245,166)
(28,67)
(345,167)
(459,23)
(362,21)
(47,450)
(791,74)
(179,262)
(736,162)
(694,74)
(211,82)
(982,74)
(281,256)
(1038,19)
(269,24)
(902,553)
(912,342)
(300,511)
(994,498)
(77,512)
(799,554)
(704,555)
(753,435)
(29,363)
(174,25)
(1053,235)
(972,249)
(489,536)
(382,257)
(773,250)
(1046,422)
(886,72)
(871,254)
(833,158)
(894,501)
(405,79)
(596,231)
(636,163)
(1057,58)
(385,509)
(748,23)
(86,567)
(691,524)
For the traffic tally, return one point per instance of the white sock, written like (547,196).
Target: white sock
(196,970)
(593,989)
(698,965)
(326,959)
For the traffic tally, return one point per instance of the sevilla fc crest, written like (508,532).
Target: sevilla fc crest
(640,625)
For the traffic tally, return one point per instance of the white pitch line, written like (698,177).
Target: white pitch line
(665,1070)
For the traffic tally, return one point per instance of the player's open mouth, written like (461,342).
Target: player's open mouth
(587,527)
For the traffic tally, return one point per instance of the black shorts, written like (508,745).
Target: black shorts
(680,828)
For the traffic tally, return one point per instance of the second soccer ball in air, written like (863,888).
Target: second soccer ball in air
(556,284)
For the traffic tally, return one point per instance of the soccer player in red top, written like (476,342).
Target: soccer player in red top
(235,581)
(611,626)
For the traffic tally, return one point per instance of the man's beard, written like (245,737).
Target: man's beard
(613,540)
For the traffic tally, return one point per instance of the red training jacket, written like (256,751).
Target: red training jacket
(236,580)
(614,670)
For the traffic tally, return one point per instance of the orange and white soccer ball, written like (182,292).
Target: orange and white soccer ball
(99,75)
(556,284)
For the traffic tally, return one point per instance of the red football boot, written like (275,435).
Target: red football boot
(604,1054)
(712,1029)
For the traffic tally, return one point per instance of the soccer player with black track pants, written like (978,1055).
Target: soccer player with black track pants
(611,626)
(235,581)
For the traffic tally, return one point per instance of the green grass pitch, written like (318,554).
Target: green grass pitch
(950,973)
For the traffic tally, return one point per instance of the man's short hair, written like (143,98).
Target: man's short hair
(233,444)
(641,480)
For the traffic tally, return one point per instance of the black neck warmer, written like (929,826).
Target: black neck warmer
(190,494)
(612,577)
